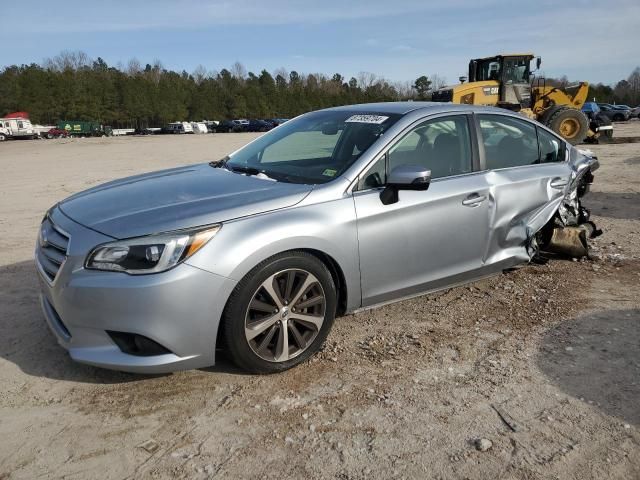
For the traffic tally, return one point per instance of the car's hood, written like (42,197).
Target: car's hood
(178,198)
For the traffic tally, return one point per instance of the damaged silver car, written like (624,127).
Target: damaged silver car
(334,211)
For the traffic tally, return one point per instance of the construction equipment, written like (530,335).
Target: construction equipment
(507,81)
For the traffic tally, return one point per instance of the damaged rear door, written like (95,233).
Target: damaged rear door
(528,176)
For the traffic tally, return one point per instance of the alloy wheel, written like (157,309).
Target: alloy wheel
(285,315)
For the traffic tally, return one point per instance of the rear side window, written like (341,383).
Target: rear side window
(551,148)
(508,142)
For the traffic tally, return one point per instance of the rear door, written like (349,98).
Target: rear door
(427,239)
(527,174)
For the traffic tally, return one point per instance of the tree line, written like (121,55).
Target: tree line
(73,86)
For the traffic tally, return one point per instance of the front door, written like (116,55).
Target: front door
(427,239)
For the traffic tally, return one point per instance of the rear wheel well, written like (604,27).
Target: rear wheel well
(336,274)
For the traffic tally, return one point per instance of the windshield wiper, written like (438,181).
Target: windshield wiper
(252,171)
(222,163)
(242,169)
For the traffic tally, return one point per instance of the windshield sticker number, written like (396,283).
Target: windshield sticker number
(375,119)
(329,172)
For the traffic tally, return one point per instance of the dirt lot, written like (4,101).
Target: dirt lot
(544,361)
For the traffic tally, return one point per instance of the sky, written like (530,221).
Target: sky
(400,40)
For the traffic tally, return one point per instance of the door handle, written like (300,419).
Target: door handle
(558,183)
(473,200)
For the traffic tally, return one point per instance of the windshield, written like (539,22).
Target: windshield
(488,69)
(312,149)
(509,69)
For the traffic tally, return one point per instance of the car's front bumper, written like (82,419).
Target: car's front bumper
(179,309)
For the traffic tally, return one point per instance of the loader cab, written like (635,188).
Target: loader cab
(512,72)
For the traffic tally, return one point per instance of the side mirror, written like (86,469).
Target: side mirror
(538,63)
(405,177)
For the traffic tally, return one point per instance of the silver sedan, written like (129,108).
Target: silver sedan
(334,211)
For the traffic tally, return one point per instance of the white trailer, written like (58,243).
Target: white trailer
(179,127)
(199,127)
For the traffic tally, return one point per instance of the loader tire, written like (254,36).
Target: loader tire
(570,123)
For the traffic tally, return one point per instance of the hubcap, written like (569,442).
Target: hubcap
(569,127)
(285,315)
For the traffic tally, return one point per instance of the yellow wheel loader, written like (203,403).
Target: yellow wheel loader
(506,81)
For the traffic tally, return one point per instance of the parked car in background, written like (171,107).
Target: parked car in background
(178,128)
(227,126)
(242,124)
(615,114)
(56,133)
(258,126)
(276,121)
(338,210)
(211,125)
(598,121)
(635,112)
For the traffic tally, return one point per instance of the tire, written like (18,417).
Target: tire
(618,118)
(570,123)
(248,313)
(3,137)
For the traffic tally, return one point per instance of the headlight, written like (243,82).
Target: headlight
(151,254)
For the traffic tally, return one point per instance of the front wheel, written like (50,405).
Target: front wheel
(570,123)
(2,137)
(280,314)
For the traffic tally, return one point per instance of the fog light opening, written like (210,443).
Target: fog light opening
(138,345)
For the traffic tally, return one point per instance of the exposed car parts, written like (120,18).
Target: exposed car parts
(568,231)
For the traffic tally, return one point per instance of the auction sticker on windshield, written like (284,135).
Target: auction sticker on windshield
(376,119)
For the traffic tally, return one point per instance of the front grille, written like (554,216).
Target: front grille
(52,248)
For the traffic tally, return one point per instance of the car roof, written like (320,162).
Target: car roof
(403,108)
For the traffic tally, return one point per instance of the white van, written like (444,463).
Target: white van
(179,127)
(19,127)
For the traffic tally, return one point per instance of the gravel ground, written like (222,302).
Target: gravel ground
(534,373)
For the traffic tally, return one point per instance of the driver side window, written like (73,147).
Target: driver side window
(442,145)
